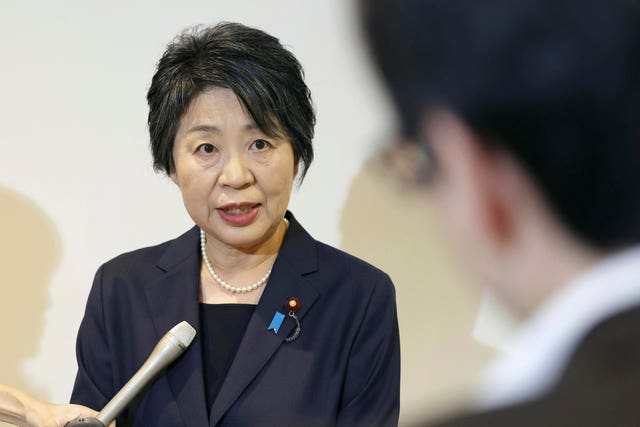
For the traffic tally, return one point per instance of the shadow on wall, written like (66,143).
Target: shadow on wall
(30,250)
(437,306)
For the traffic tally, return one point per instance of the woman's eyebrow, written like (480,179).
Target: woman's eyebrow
(215,129)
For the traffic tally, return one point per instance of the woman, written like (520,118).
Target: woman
(21,409)
(290,331)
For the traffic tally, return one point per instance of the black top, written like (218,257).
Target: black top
(222,327)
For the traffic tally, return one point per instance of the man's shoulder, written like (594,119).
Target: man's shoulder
(598,387)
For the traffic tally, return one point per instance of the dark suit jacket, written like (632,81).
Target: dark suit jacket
(600,385)
(344,369)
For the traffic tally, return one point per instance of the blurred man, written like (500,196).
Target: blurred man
(525,122)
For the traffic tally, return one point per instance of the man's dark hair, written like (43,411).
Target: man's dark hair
(554,82)
(266,78)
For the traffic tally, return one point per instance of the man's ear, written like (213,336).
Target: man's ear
(471,173)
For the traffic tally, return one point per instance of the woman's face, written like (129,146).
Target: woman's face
(235,180)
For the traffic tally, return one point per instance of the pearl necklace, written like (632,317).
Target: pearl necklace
(225,285)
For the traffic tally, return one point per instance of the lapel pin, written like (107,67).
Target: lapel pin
(276,322)
(293,305)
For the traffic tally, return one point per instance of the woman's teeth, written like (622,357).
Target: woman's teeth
(240,210)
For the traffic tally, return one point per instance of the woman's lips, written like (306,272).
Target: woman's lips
(238,214)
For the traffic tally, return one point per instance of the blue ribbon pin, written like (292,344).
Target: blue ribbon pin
(276,322)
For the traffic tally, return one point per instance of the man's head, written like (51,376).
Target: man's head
(529,110)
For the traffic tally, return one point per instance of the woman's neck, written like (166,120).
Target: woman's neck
(232,261)
(239,268)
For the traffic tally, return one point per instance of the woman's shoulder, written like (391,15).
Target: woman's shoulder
(350,283)
(329,263)
(350,277)
(303,248)
(331,256)
(153,256)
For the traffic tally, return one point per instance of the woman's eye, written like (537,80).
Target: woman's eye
(207,148)
(260,144)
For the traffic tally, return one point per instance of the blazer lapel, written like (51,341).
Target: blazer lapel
(172,299)
(297,257)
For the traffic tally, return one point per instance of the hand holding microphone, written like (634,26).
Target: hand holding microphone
(172,345)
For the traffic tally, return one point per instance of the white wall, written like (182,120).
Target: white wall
(74,165)
(73,138)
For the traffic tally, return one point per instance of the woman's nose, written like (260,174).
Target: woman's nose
(235,172)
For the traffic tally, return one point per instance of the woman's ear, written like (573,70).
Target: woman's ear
(174,177)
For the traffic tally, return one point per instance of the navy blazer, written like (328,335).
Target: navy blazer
(599,386)
(344,369)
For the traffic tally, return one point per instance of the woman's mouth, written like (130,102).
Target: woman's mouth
(238,214)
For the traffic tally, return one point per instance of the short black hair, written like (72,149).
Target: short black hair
(554,82)
(267,79)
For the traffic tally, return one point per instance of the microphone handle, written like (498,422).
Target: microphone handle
(165,352)
(85,422)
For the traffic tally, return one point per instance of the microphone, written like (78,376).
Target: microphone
(170,346)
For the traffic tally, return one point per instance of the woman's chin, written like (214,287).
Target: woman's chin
(247,237)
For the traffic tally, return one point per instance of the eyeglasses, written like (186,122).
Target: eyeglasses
(410,163)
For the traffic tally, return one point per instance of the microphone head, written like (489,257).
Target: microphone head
(184,333)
